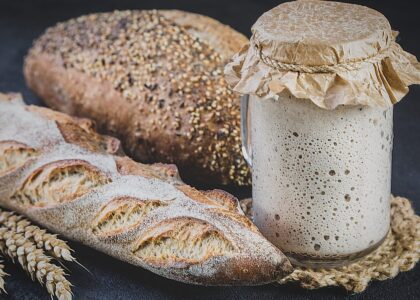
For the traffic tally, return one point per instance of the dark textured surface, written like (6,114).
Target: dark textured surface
(22,21)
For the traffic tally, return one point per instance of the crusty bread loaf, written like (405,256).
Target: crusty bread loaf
(155,80)
(60,173)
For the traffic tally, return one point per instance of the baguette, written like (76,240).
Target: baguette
(154,79)
(60,173)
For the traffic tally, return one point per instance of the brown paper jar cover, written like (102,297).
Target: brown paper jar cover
(329,52)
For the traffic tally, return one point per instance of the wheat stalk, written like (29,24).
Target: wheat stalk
(35,262)
(54,246)
(2,274)
(43,240)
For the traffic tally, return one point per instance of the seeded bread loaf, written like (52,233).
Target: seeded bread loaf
(60,173)
(154,79)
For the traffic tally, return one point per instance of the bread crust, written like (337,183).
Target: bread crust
(164,109)
(225,40)
(141,214)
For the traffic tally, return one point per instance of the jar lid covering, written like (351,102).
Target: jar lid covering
(329,52)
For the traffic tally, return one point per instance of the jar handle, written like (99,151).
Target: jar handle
(245,132)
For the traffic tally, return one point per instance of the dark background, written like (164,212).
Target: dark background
(21,21)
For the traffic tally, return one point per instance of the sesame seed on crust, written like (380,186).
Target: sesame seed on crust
(175,78)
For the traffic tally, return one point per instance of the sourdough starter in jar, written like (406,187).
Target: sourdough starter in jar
(321,177)
(322,78)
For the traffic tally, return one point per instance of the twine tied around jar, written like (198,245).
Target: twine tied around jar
(346,66)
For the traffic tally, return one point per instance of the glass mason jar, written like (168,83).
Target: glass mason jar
(321,178)
(321,78)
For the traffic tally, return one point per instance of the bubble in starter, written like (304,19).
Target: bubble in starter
(320,177)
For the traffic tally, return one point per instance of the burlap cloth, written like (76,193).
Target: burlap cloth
(399,253)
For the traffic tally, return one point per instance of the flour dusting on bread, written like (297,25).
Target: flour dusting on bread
(142,214)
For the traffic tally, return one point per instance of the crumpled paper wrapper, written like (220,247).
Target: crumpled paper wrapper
(331,53)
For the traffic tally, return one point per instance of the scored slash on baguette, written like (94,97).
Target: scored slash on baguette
(86,190)
(59,182)
(185,241)
(14,155)
(123,214)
